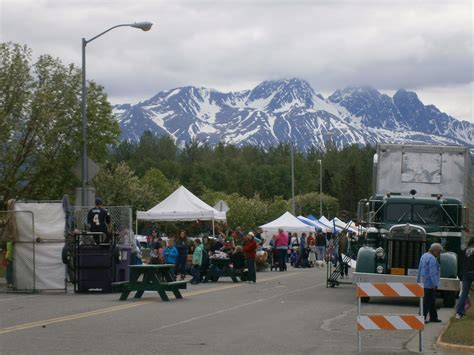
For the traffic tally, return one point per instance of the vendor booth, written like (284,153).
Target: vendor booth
(329,224)
(181,205)
(319,227)
(288,223)
(350,226)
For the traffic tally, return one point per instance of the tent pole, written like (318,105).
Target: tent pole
(213,230)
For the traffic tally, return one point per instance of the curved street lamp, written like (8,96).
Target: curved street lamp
(144,26)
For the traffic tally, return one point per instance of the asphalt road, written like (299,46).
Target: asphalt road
(283,313)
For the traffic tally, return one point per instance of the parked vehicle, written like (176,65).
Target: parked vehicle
(142,240)
(420,196)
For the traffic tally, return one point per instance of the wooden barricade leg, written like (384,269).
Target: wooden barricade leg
(421,331)
(359,333)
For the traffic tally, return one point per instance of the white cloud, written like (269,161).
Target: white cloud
(224,44)
(455,100)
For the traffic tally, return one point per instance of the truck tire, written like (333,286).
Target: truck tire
(365,299)
(449,299)
(65,255)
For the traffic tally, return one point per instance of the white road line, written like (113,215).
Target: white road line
(207,315)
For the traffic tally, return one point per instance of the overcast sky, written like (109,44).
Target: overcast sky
(420,45)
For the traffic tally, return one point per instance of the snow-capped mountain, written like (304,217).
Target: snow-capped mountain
(291,111)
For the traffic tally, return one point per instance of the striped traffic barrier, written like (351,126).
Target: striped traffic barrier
(390,322)
(391,289)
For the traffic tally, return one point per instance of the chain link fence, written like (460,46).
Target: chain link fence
(121,219)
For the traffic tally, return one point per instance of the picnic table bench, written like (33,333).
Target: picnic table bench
(220,267)
(148,277)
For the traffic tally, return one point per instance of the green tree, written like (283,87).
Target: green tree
(276,208)
(309,204)
(248,213)
(40,124)
(158,184)
(254,172)
(117,185)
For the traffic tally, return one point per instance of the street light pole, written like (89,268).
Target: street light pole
(292,180)
(85,173)
(144,26)
(320,188)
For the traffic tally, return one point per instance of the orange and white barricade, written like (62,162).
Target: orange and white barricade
(390,322)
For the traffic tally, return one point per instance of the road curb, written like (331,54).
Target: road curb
(451,346)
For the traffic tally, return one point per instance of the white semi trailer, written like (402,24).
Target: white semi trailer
(421,194)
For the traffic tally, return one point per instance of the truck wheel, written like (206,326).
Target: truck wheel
(365,299)
(65,255)
(449,299)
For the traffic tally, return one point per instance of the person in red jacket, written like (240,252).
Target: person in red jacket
(250,250)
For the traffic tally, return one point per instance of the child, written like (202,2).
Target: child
(170,254)
(161,251)
(197,261)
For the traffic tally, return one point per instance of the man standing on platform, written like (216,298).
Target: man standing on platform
(428,275)
(98,219)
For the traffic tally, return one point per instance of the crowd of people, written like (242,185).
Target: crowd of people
(309,250)
(194,255)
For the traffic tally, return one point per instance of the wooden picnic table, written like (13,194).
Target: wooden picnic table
(220,267)
(147,277)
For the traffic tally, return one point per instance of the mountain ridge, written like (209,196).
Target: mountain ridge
(290,110)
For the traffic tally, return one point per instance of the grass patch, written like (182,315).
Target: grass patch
(461,331)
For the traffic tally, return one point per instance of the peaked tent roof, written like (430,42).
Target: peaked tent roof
(181,205)
(314,223)
(289,223)
(350,225)
(324,221)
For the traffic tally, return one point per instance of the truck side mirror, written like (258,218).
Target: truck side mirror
(465,217)
(361,211)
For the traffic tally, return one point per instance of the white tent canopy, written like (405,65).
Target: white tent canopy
(329,224)
(350,225)
(181,205)
(314,223)
(288,223)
